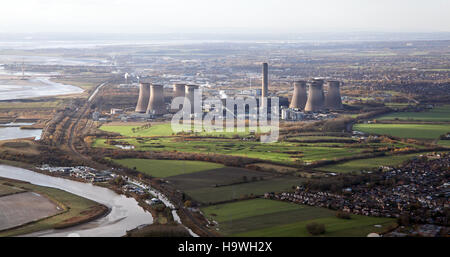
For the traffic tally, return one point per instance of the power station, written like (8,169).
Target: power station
(299,97)
(333,99)
(308,96)
(156,104)
(316,99)
(144,96)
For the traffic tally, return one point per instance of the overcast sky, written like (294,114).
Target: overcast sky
(283,16)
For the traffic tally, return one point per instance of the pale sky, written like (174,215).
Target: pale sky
(282,16)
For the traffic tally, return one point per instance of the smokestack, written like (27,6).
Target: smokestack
(299,97)
(265,80)
(144,96)
(333,97)
(156,103)
(315,100)
(189,95)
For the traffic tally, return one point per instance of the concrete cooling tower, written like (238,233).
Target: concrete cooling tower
(333,97)
(156,103)
(189,95)
(316,99)
(299,97)
(179,90)
(144,96)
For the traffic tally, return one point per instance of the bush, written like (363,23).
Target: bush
(343,215)
(315,228)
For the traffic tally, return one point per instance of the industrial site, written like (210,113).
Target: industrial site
(221,135)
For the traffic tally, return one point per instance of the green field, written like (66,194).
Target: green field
(75,208)
(279,152)
(262,217)
(7,190)
(440,113)
(419,131)
(166,130)
(368,164)
(167,168)
(210,194)
(445,143)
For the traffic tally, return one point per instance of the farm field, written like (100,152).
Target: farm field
(263,217)
(368,164)
(166,130)
(445,143)
(75,209)
(229,183)
(279,152)
(439,113)
(167,168)
(419,131)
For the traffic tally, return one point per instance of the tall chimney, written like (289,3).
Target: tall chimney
(315,100)
(299,97)
(333,97)
(144,96)
(156,103)
(265,80)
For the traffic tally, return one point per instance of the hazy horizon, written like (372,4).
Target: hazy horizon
(232,16)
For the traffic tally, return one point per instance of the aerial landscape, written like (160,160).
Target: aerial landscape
(227,134)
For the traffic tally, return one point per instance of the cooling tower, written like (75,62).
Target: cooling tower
(333,97)
(144,96)
(179,90)
(299,97)
(189,95)
(156,103)
(315,100)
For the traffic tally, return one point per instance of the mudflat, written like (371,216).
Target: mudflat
(21,208)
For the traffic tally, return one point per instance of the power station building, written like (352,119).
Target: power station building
(299,97)
(316,101)
(144,97)
(333,99)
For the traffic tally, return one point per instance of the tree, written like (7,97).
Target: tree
(187,204)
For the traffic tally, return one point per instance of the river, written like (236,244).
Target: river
(125,213)
(12,131)
(35,87)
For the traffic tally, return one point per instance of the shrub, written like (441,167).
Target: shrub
(315,228)
(343,215)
